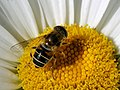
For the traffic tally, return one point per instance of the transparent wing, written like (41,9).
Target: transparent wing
(18,48)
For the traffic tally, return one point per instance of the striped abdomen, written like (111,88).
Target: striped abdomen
(40,58)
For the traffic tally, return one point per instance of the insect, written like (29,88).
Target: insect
(44,52)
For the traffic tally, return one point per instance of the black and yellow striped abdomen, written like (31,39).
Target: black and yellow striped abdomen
(40,58)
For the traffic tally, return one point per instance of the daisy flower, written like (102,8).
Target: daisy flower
(89,59)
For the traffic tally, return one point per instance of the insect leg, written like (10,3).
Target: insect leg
(34,47)
(62,53)
(31,55)
(31,51)
(54,60)
(63,43)
(52,68)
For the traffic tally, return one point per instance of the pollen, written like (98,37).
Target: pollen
(85,62)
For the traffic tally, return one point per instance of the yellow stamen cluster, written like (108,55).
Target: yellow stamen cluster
(86,62)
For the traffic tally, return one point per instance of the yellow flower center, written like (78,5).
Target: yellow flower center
(85,62)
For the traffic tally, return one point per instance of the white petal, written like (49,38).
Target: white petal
(39,15)
(6,24)
(84,12)
(20,16)
(118,49)
(8,65)
(97,9)
(54,10)
(112,26)
(77,8)
(112,23)
(8,80)
(7,55)
(6,41)
(117,40)
(5,73)
(70,11)
(8,86)
(62,12)
(115,32)
(47,9)
(111,9)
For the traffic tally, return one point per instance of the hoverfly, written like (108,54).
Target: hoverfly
(44,52)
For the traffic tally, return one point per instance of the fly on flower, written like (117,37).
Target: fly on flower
(45,51)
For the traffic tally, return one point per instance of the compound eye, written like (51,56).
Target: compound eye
(61,30)
(53,40)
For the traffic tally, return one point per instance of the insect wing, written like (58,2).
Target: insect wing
(18,48)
